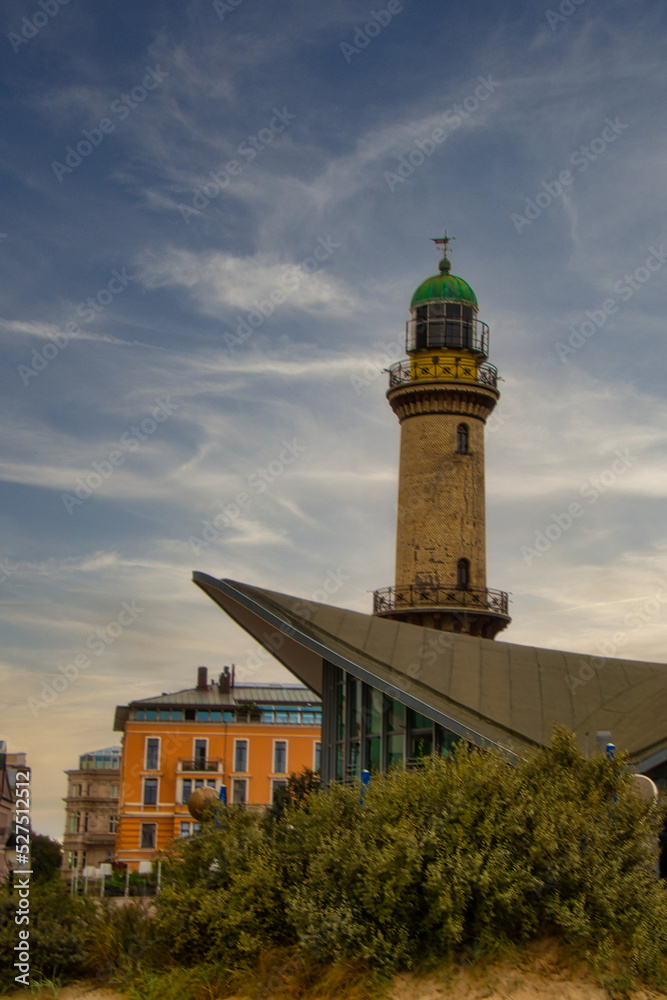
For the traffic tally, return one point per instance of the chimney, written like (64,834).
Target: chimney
(202,678)
(225,681)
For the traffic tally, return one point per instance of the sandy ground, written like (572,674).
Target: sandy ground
(78,992)
(504,984)
(543,975)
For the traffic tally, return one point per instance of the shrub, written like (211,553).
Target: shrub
(470,852)
(59,927)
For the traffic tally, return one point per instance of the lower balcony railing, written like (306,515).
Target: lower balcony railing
(390,599)
(442,369)
(201,764)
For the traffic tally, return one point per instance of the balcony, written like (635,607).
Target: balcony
(201,765)
(390,599)
(442,369)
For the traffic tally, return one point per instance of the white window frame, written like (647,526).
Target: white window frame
(141,837)
(247,755)
(181,799)
(159,753)
(150,777)
(273,759)
(234,799)
(275,783)
(195,741)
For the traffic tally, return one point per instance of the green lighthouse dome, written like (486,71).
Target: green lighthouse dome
(443,314)
(444,287)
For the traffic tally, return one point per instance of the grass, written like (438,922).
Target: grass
(41,986)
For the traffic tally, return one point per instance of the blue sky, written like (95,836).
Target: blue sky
(214,217)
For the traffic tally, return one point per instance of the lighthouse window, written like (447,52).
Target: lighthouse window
(463,574)
(453,325)
(421,327)
(466,327)
(462,439)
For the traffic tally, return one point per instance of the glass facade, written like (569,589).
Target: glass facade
(364,729)
(107,759)
(281,715)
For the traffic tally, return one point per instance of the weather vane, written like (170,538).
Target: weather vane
(443,242)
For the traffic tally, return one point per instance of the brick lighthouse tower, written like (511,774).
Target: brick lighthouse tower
(442,396)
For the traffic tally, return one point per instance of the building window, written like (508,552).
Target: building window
(239,791)
(148,835)
(113,824)
(72,859)
(463,574)
(185,829)
(201,747)
(75,822)
(85,822)
(280,757)
(150,791)
(240,755)
(317,757)
(187,790)
(152,753)
(462,440)
(276,784)
(114,791)
(76,791)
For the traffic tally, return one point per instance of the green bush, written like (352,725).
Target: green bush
(471,852)
(59,928)
(462,857)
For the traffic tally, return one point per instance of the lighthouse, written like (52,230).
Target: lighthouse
(443,394)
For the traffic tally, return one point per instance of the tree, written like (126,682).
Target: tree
(45,857)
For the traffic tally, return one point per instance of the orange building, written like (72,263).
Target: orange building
(247,738)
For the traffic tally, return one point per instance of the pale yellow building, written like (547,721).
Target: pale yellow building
(91,811)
